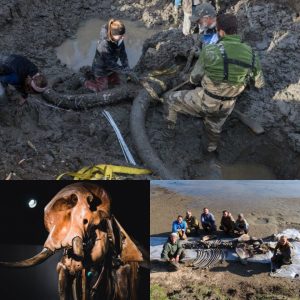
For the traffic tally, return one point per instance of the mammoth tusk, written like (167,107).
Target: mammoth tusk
(30,262)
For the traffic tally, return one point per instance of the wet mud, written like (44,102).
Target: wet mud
(68,139)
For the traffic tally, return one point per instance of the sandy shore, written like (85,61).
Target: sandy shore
(265,217)
(228,280)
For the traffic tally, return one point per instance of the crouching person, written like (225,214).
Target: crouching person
(192,224)
(173,252)
(19,72)
(208,221)
(227,223)
(179,227)
(110,48)
(241,225)
(284,257)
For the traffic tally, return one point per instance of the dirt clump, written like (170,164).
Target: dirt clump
(68,139)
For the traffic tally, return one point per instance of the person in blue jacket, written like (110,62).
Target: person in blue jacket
(110,49)
(208,221)
(179,227)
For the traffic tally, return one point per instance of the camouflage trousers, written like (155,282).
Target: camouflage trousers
(196,103)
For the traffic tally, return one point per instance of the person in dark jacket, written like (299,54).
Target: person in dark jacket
(21,73)
(208,221)
(110,48)
(227,223)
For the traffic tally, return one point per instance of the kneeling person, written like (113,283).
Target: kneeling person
(179,227)
(173,251)
(208,221)
(192,224)
(284,257)
(241,225)
(227,222)
(20,72)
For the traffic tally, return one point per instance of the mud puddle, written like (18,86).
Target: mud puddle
(80,50)
(246,171)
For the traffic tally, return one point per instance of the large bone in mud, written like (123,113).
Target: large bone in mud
(84,101)
(138,131)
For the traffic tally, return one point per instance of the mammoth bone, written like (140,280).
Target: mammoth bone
(99,261)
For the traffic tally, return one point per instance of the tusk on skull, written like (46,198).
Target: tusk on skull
(30,262)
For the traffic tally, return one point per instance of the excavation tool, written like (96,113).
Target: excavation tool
(128,156)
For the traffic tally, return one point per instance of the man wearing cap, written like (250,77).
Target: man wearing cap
(204,16)
(21,73)
(223,70)
(241,225)
(173,251)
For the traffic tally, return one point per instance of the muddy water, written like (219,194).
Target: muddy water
(80,50)
(246,171)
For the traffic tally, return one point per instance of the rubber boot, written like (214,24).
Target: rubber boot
(113,79)
(91,85)
(102,83)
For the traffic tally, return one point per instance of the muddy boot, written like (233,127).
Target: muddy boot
(174,266)
(102,83)
(113,79)
(91,85)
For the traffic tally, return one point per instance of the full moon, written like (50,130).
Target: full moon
(32,203)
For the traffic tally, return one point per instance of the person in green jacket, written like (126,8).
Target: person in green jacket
(223,70)
(173,251)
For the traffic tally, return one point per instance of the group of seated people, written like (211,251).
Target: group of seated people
(189,226)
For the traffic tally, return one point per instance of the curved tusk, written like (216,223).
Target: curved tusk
(30,262)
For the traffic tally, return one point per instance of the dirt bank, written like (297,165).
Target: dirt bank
(68,140)
(228,280)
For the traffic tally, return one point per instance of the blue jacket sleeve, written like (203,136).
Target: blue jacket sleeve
(174,227)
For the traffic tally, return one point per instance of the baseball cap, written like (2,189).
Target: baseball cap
(202,10)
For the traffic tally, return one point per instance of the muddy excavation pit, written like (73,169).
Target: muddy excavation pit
(42,139)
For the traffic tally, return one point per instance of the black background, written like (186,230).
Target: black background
(22,232)
(20,224)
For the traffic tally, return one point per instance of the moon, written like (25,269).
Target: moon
(32,203)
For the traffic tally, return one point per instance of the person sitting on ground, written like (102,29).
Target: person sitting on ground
(173,251)
(208,221)
(241,225)
(179,227)
(110,48)
(285,255)
(20,72)
(227,223)
(223,70)
(192,224)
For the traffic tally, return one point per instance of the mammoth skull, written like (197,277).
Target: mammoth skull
(75,215)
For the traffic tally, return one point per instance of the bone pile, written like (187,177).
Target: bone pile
(207,258)
(215,244)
